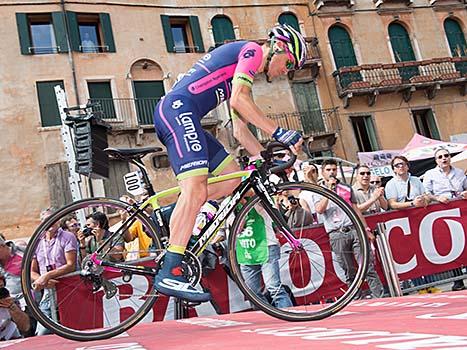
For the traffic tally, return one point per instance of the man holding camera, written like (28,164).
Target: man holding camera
(296,215)
(342,234)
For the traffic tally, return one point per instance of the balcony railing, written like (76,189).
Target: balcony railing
(401,76)
(310,123)
(136,113)
(127,113)
(321,3)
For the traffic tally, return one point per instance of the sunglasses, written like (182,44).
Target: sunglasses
(446,155)
(399,165)
(375,182)
(290,63)
(365,173)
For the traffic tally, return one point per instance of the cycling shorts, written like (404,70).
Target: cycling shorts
(192,150)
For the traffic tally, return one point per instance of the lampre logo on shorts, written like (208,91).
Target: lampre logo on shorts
(190,136)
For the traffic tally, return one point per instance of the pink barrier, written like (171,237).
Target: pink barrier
(423,241)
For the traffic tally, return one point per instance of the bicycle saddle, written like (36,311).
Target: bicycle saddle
(130,153)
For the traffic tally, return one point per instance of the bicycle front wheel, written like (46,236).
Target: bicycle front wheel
(308,281)
(91,302)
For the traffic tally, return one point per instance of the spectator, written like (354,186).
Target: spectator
(376,181)
(95,234)
(310,172)
(10,264)
(264,258)
(370,198)
(55,257)
(444,183)
(404,190)
(10,279)
(137,241)
(70,224)
(342,234)
(297,217)
(14,322)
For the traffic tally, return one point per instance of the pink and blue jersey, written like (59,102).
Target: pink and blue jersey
(177,118)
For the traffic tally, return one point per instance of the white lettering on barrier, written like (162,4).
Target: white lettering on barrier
(111,307)
(402,223)
(456,232)
(317,268)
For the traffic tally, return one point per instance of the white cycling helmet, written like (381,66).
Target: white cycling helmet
(294,40)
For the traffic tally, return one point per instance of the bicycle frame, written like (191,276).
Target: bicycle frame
(253,181)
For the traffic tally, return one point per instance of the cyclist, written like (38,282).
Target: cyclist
(225,73)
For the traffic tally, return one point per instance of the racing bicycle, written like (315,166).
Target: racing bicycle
(111,289)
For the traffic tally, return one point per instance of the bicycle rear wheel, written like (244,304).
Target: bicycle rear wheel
(92,303)
(297,284)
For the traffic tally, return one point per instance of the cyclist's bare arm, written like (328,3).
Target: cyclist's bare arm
(244,135)
(243,103)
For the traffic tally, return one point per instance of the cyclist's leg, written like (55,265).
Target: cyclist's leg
(178,126)
(220,163)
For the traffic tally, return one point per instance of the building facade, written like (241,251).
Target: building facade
(376,73)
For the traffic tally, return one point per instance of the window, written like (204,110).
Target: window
(91,32)
(290,19)
(182,34)
(147,95)
(365,133)
(50,115)
(455,37)
(222,29)
(343,53)
(41,33)
(307,103)
(101,92)
(425,123)
(402,49)
(457,44)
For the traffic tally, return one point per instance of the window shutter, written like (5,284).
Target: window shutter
(169,41)
(455,37)
(50,115)
(197,38)
(370,130)
(106,26)
(75,40)
(400,42)
(222,29)
(59,24)
(23,33)
(290,19)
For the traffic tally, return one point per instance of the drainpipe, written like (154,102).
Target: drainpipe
(70,53)
(71,61)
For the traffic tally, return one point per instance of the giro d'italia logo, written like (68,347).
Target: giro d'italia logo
(177,104)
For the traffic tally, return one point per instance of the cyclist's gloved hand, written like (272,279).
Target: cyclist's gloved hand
(287,137)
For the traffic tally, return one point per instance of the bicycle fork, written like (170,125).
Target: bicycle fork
(268,203)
